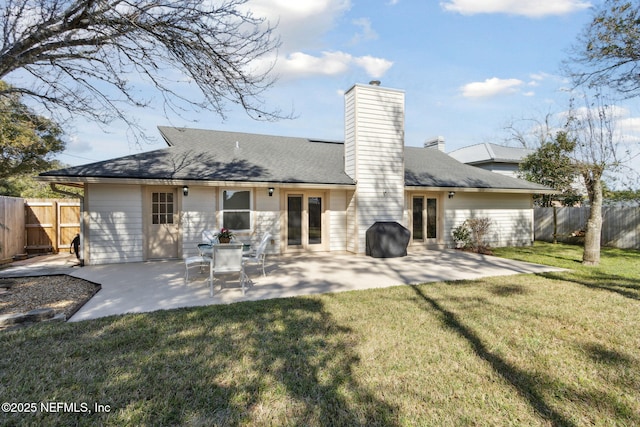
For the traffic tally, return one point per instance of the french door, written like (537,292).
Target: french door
(425,222)
(305,222)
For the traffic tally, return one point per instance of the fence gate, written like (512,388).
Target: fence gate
(50,224)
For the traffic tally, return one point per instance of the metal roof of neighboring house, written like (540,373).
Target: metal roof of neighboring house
(208,155)
(490,153)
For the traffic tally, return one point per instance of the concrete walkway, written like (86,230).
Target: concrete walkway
(157,285)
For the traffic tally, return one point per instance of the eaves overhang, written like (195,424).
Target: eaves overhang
(79,181)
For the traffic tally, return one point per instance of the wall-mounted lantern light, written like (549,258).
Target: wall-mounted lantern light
(270,191)
(451,194)
(185,190)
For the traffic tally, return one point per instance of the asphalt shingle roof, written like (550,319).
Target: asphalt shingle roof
(196,154)
(427,167)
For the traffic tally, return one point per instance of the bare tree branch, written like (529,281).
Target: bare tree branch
(82,56)
(607,52)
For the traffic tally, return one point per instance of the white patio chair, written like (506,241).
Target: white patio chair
(227,258)
(209,238)
(259,255)
(197,260)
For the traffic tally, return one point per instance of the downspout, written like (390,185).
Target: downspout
(55,189)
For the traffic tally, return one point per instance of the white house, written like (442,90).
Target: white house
(311,195)
(492,157)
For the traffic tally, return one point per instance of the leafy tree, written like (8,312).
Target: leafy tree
(26,186)
(551,165)
(597,151)
(27,140)
(627,197)
(79,57)
(607,52)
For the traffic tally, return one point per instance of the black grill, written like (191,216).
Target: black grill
(387,240)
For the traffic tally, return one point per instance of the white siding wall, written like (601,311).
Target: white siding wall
(508,169)
(337,220)
(511,216)
(198,214)
(115,223)
(266,218)
(350,134)
(375,135)
(351,221)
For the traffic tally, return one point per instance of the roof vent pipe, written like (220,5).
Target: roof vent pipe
(374,82)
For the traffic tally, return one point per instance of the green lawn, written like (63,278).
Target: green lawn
(552,349)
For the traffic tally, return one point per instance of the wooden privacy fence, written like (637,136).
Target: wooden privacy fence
(11,227)
(50,224)
(620,225)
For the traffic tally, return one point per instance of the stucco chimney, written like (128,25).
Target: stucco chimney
(374,157)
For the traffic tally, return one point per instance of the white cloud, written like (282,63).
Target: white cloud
(491,87)
(300,24)
(366,31)
(539,76)
(299,64)
(375,67)
(631,125)
(533,9)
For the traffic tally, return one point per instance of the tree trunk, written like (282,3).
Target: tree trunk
(591,254)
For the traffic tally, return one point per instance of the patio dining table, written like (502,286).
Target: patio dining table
(206,249)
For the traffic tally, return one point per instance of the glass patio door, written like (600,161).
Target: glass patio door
(305,218)
(424,219)
(294,220)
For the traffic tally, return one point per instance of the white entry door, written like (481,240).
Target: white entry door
(162,223)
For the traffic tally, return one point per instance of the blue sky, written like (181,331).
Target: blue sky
(468,69)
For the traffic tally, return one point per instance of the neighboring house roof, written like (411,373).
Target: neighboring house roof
(425,167)
(489,153)
(207,155)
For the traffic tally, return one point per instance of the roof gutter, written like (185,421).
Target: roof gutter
(76,182)
(485,190)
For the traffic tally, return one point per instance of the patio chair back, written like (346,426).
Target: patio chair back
(227,258)
(259,255)
(263,245)
(209,237)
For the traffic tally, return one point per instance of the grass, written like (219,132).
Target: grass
(535,350)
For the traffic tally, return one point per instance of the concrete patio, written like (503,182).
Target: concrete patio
(159,285)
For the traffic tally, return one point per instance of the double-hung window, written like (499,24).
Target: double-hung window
(236,210)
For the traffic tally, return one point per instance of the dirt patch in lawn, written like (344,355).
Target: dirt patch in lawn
(64,294)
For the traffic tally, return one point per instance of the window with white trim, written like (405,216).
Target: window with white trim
(236,210)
